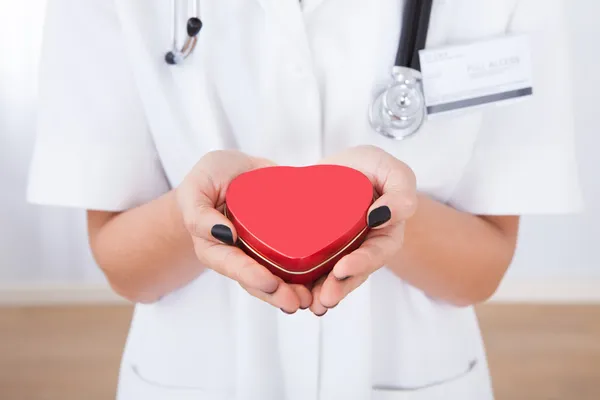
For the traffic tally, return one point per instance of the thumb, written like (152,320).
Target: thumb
(393,207)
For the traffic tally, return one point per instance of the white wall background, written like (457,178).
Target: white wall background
(38,245)
(566,248)
(41,247)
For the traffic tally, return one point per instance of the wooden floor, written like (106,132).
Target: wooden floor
(535,352)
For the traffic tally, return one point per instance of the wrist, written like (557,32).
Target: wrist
(175,216)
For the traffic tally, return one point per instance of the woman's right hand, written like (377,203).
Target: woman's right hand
(201,198)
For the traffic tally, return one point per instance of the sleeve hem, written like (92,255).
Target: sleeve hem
(570,207)
(107,178)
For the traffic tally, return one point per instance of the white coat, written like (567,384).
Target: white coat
(118,127)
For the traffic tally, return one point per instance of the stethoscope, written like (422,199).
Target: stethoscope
(178,54)
(399,110)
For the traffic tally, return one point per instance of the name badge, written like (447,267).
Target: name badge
(465,77)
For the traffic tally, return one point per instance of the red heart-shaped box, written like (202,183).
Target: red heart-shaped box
(299,221)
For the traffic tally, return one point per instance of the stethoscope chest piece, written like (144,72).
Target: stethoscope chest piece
(399,111)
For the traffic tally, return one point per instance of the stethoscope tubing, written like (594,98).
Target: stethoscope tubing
(413,36)
(395,118)
(179,53)
(422,32)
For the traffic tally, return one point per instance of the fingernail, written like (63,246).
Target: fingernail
(320,315)
(332,307)
(379,216)
(288,313)
(343,279)
(305,308)
(222,233)
(271,292)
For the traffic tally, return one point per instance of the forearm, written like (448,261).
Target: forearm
(145,252)
(454,256)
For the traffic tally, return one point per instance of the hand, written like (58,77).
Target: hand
(395,182)
(201,198)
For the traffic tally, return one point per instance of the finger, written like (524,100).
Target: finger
(233,263)
(396,183)
(353,269)
(204,189)
(393,207)
(334,291)
(379,247)
(304,295)
(201,218)
(316,307)
(284,298)
(391,178)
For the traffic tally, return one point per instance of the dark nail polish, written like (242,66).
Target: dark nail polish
(288,313)
(379,216)
(222,233)
(305,308)
(320,315)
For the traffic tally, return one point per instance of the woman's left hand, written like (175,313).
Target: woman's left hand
(395,183)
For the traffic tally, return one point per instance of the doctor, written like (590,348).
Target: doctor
(148,149)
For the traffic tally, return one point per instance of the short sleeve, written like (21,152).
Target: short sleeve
(524,161)
(93,148)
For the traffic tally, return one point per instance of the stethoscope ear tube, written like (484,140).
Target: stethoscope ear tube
(400,110)
(194,25)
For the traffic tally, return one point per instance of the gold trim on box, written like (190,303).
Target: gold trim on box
(255,252)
